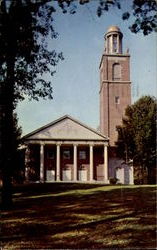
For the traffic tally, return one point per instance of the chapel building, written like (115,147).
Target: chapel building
(68,150)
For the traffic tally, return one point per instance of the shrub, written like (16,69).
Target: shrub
(113,180)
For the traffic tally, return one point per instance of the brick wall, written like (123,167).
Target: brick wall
(111,113)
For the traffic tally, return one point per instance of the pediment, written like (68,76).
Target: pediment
(65,128)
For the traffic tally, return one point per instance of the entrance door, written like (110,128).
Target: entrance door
(67,175)
(82,175)
(50,175)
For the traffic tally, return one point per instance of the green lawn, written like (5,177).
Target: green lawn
(79,216)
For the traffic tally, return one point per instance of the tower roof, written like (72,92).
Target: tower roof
(113,29)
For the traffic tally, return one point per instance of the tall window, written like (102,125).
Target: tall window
(116,72)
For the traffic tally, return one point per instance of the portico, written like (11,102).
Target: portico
(78,154)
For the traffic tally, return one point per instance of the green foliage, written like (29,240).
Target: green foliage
(24,27)
(137,135)
(144,14)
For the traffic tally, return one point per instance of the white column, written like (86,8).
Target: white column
(105,164)
(42,162)
(27,155)
(91,162)
(118,47)
(58,163)
(75,162)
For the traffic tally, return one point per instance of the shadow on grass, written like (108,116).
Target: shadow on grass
(80,216)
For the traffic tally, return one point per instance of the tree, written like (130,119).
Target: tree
(137,135)
(24,58)
(144,12)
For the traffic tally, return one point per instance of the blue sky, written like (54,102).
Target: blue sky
(76,82)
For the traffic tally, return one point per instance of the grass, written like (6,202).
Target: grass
(80,216)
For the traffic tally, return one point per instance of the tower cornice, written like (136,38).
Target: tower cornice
(112,55)
(123,82)
(117,54)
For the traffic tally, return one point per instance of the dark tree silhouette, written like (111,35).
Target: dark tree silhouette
(24,57)
(144,12)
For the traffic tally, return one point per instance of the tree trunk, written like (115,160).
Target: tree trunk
(7,107)
(7,147)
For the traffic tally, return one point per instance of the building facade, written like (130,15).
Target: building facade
(115,85)
(66,150)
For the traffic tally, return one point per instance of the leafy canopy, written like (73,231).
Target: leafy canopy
(24,27)
(137,135)
(144,12)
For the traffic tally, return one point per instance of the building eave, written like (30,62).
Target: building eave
(59,120)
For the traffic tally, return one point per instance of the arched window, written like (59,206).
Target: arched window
(116,72)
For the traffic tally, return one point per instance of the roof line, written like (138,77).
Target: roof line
(60,119)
